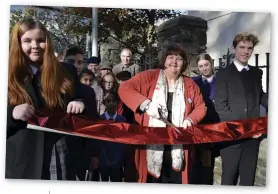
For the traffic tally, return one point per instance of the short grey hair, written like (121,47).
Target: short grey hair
(126,49)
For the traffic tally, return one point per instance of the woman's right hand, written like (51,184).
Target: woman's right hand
(152,110)
(23,112)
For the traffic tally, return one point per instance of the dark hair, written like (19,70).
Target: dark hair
(123,75)
(173,49)
(73,51)
(111,95)
(94,59)
(86,71)
(245,36)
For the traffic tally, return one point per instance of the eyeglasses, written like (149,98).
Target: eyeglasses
(108,82)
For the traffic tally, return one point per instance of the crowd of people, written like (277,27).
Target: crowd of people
(122,93)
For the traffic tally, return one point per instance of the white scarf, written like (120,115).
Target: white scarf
(155,152)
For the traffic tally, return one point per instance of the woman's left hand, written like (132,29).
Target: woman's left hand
(75,107)
(257,136)
(186,123)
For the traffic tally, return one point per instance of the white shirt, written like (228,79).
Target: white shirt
(239,66)
(210,79)
(107,117)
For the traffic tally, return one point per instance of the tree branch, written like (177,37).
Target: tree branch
(122,42)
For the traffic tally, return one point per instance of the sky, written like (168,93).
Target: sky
(15,7)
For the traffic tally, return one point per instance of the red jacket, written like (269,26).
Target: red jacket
(135,91)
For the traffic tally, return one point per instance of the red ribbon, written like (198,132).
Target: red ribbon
(136,134)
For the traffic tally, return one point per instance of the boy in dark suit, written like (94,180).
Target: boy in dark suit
(238,96)
(74,60)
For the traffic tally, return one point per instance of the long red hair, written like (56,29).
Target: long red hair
(53,79)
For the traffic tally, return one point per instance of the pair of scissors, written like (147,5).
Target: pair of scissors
(164,119)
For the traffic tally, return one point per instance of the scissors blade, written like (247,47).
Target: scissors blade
(173,126)
(167,122)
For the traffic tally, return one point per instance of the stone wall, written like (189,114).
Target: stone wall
(261,167)
(110,52)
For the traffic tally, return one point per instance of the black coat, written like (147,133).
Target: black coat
(230,98)
(25,147)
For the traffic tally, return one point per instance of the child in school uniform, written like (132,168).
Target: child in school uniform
(37,80)
(112,154)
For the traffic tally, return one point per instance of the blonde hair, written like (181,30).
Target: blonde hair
(245,36)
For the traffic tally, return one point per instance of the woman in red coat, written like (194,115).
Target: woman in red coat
(182,104)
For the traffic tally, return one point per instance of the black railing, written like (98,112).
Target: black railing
(228,57)
(264,66)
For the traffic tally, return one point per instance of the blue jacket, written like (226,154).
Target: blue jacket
(207,90)
(111,153)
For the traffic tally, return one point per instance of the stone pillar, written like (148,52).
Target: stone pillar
(188,31)
(110,52)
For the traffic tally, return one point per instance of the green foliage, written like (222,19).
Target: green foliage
(133,28)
